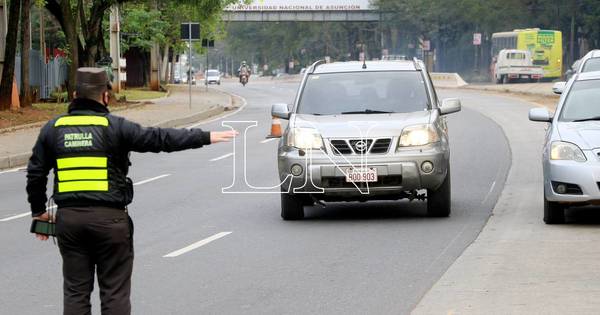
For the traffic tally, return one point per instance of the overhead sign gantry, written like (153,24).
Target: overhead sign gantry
(302,10)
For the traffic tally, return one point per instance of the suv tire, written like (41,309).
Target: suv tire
(292,207)
(554,213)
(439,200)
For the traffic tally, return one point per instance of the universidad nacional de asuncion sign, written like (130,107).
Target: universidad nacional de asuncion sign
(303,5)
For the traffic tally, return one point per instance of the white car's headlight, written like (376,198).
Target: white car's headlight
(566,151)
(304,138)
(418,135)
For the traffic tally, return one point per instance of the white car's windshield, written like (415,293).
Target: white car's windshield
(213,73)
(581,102)
(364,92)
(591,65)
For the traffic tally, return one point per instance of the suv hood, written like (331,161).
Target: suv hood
(365,125)
(584,134)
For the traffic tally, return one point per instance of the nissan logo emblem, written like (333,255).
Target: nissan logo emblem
(360,146)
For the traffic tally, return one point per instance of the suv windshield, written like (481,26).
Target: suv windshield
(213,73)
(591,65)
(364,92)
(579,104)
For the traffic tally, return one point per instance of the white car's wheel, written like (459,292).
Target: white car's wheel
(554,213)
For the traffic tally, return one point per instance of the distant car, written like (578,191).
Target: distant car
(401,150)
(589,63)
(394,57)
(212,77)
(571,156)
(514,65)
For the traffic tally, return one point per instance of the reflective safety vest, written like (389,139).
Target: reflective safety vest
(82,162)
(90,170)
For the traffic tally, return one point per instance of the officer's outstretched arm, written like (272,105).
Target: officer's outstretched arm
(148,139)
(40,164)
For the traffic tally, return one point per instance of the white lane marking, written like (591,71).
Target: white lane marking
(197,244)
(16,216)
(489,193)
(222,157)
(54,207)
(244,103)
(150,179)
(269,140)
(14,170)
(22,215)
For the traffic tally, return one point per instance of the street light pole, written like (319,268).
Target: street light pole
(190,66)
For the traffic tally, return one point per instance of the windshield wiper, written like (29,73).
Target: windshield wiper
(367,111)
(587,119)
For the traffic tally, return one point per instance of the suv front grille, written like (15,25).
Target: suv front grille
(383,181)
(360,146)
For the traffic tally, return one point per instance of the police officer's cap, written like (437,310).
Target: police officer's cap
(92,79)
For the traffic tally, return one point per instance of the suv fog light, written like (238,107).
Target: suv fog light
(297,170)
(427,167)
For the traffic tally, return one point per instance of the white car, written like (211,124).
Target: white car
(212,77)
(514,65)
(571,156)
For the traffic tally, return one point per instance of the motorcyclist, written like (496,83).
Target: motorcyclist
(244,70)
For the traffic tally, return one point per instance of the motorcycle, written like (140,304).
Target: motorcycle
(244,79)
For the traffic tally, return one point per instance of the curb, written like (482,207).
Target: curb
(508,91)
(15,160)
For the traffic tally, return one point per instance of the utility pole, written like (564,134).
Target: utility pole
(572,36)
(115,47)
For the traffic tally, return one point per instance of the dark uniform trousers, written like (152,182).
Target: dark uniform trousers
(95,239)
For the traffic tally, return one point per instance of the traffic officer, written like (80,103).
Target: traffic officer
(88,148)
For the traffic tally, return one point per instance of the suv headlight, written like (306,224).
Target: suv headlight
(418,135)
(304,138)
(566,151)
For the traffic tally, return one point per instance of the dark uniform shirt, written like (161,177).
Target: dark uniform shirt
(118,138)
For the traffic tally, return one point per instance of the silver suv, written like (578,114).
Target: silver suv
(365,131)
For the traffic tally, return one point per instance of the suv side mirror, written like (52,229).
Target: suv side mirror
(280,110)
(559,87)
(449,106)
(540,114)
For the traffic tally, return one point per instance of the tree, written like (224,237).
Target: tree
(8,70)
(25,47)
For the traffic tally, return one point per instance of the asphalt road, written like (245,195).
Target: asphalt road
(348,258)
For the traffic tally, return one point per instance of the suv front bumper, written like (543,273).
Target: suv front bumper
(397,172)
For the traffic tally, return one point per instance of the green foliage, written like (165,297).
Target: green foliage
(143,27)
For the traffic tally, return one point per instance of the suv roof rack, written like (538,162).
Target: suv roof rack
(417,64)
(314,66)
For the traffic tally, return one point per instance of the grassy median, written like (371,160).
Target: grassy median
(45,111)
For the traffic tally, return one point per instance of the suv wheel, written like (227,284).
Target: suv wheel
(554,213)
(438,201)
(292,207)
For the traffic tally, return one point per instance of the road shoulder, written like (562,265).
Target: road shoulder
(518,265)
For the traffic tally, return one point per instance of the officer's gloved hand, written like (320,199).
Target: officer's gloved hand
(222,136)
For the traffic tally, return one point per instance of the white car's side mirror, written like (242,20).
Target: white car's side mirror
(450,105)
(559,87)
(540,114)
(280,110)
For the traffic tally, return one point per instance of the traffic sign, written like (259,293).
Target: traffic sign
(192,29)
(477,39)
(424,44)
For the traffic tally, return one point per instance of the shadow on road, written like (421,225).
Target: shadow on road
(589,215)
(356,211)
